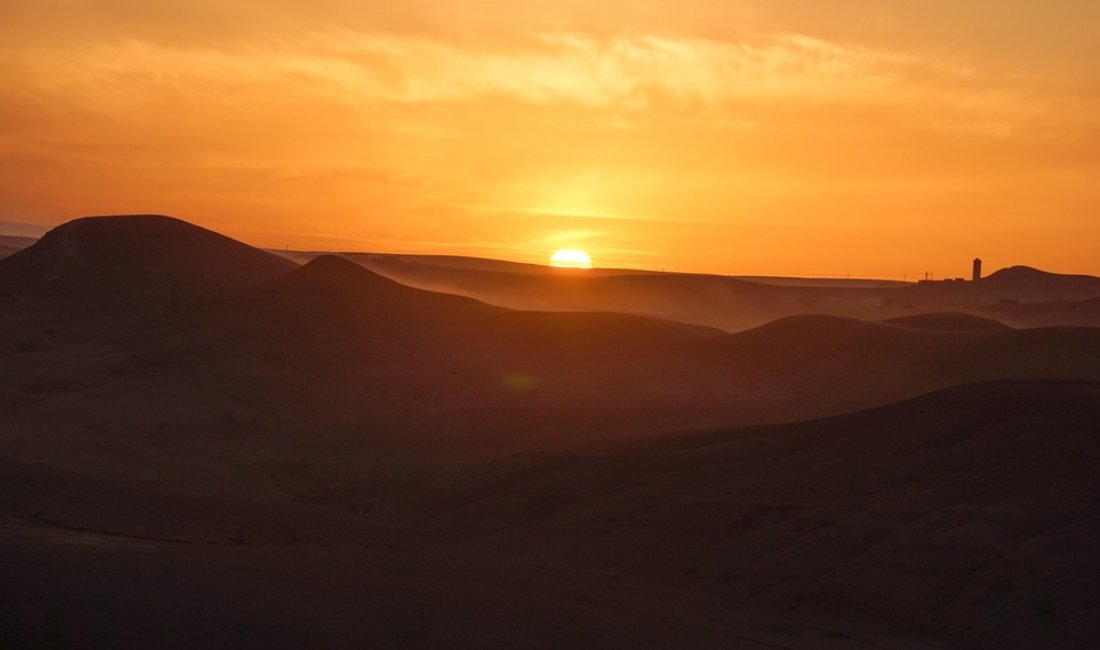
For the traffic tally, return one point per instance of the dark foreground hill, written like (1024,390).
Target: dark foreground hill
(965,518)
(969,512)
(246,452)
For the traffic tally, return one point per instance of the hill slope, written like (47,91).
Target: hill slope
(967,511)
(947,322)
(138,258)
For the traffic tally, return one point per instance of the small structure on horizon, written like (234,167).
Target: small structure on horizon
(977,275)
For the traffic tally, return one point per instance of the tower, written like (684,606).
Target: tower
(977,269)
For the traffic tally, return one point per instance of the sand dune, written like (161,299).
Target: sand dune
(331,296)
(729,303)
(458,262)
(189,420)
(947,322)
(942,512)
(961,516)
(103,276)
(369,364)
(141,258)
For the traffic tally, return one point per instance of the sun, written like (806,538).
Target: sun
(571,258)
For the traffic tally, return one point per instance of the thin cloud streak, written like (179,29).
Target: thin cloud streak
(706,148)
(631,75)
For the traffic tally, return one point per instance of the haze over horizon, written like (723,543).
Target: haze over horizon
(271,375)
(784,138)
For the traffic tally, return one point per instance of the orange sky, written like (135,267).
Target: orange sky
(871,137)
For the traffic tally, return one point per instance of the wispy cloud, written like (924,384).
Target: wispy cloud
(631,144)
(625,75)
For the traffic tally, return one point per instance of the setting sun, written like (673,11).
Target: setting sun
(840,318)
(571,258)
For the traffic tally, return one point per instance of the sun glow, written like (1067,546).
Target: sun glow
(571,258)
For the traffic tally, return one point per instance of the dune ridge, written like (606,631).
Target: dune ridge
(194,424)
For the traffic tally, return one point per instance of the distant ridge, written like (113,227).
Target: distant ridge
(12,244)
(821,332)
(1022,272)
(788,344)
(332,296)
(948,321)
(1053,285)
(333,277)
(22,230)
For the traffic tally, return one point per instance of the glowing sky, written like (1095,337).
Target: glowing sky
(871,137)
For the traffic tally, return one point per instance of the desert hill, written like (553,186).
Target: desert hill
(458,262)
(957,519)
(138,258)
(730,303)
(488,264)
(942,512)
(99,277)
(947,322)
(331,295)
(1019,283)
(717,301)
(334,457)
(1050,285)
(349,356)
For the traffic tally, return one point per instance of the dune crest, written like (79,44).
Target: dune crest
(192,426)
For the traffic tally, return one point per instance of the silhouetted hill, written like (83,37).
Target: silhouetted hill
(822,364)
(790,342)
(319,456)
(951,321)
(103,277)
(711,300)
(142,258)
(1031,284)
(459,262)
(730,303)
(822,331)
(332,296)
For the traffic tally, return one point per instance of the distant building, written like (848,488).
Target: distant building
(928,278)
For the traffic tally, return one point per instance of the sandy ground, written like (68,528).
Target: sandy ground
(206,445)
